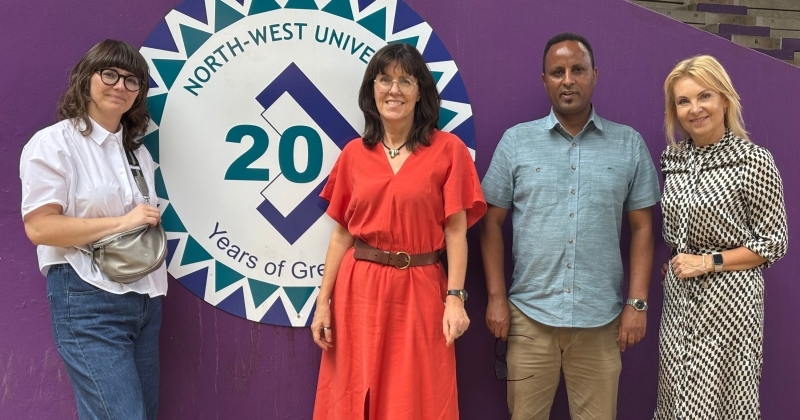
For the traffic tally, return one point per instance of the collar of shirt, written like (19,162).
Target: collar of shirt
(552,122)
(99,134)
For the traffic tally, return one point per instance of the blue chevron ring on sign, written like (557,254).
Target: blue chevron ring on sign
(251,103)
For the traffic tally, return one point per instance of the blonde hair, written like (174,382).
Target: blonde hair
(708,72)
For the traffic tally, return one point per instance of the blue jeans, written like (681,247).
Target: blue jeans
(109,344)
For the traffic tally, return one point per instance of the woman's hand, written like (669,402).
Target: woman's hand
(321,326)
(687,266)
(140,215)
(455,321)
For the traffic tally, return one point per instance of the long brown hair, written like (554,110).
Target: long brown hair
(75,102)
(426,111)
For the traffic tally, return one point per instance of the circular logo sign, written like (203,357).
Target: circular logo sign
(251,103)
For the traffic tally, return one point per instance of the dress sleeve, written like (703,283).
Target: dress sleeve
(763,194)
(462,188)
(43,169)
(339,189)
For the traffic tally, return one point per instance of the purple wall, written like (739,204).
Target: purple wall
(219,366)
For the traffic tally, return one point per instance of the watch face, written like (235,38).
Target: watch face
(639,305)
(464,295)
(717,259)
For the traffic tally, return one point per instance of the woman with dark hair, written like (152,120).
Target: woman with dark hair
(77,187)
(725,220)
(387,313)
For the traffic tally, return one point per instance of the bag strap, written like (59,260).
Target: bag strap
(138,175)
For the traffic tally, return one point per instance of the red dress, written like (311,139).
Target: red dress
(388,345)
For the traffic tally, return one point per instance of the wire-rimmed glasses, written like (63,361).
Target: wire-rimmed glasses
(500,365)
(405,84)
(110,77)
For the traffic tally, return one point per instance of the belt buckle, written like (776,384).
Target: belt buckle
(408,259)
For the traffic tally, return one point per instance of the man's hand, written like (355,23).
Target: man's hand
(632,327)
(498,317)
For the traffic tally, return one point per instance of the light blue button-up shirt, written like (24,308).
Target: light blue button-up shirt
(567,197)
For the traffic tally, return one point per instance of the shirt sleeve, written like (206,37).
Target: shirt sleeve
(338,191)
(43,169)
(462,188)
(644,189)
(498,183)
(763,195)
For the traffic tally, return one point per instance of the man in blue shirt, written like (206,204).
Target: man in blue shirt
(568,177)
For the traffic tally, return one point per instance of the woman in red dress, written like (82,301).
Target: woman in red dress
(387,313)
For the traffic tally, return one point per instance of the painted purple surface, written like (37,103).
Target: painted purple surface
(782,54)
(217,366)
(726,28)
(721,8)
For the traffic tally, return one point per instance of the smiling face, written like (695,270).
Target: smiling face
(569,79)
(396,107)
(109,102)
(700,110)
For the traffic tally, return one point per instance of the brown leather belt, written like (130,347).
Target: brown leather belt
(401,260)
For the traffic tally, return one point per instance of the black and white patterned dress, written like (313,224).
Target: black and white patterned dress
(717,197)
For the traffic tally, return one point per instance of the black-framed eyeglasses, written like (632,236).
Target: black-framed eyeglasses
(500,365)
(110,77)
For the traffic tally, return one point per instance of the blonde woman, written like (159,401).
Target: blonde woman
(725,220)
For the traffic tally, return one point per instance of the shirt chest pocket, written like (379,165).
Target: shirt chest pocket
(536,184)
(608,184)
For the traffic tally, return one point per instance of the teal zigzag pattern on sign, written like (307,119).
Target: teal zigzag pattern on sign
(339,8)
(155,104)
(150,141)
(437,75)
(171,222)
(375,23)
(445,116)
(298,296)
(193,39)
(168,69)
(261,291)
(194,252)
(224,276)
(262,6)
(413,41)
(161,189)
(226,16)
(301,4)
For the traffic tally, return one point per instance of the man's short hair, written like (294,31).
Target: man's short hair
(568,36)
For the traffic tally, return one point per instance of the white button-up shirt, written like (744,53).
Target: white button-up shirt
(88,176)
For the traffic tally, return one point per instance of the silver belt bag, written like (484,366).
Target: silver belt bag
(126,257)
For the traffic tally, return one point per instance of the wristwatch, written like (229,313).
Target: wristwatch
(716,259)
(460,293)
(638,304)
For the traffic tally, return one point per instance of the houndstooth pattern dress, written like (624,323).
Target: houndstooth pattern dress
(717,197)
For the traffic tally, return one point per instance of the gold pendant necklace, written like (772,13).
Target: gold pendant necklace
(393,152)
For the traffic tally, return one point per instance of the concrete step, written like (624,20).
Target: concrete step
(790,5)
(781,33)
(778,23)
(774,13)
(724,28)
(654,5)
(754,41)
(690,16)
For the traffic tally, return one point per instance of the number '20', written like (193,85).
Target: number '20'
(240,169)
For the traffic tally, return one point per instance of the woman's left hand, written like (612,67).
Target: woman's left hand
(687,265)
(455,321)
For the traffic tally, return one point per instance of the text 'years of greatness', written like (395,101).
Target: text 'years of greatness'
(270,34)
(299,270)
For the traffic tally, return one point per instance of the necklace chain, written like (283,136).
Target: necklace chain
(393,152)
